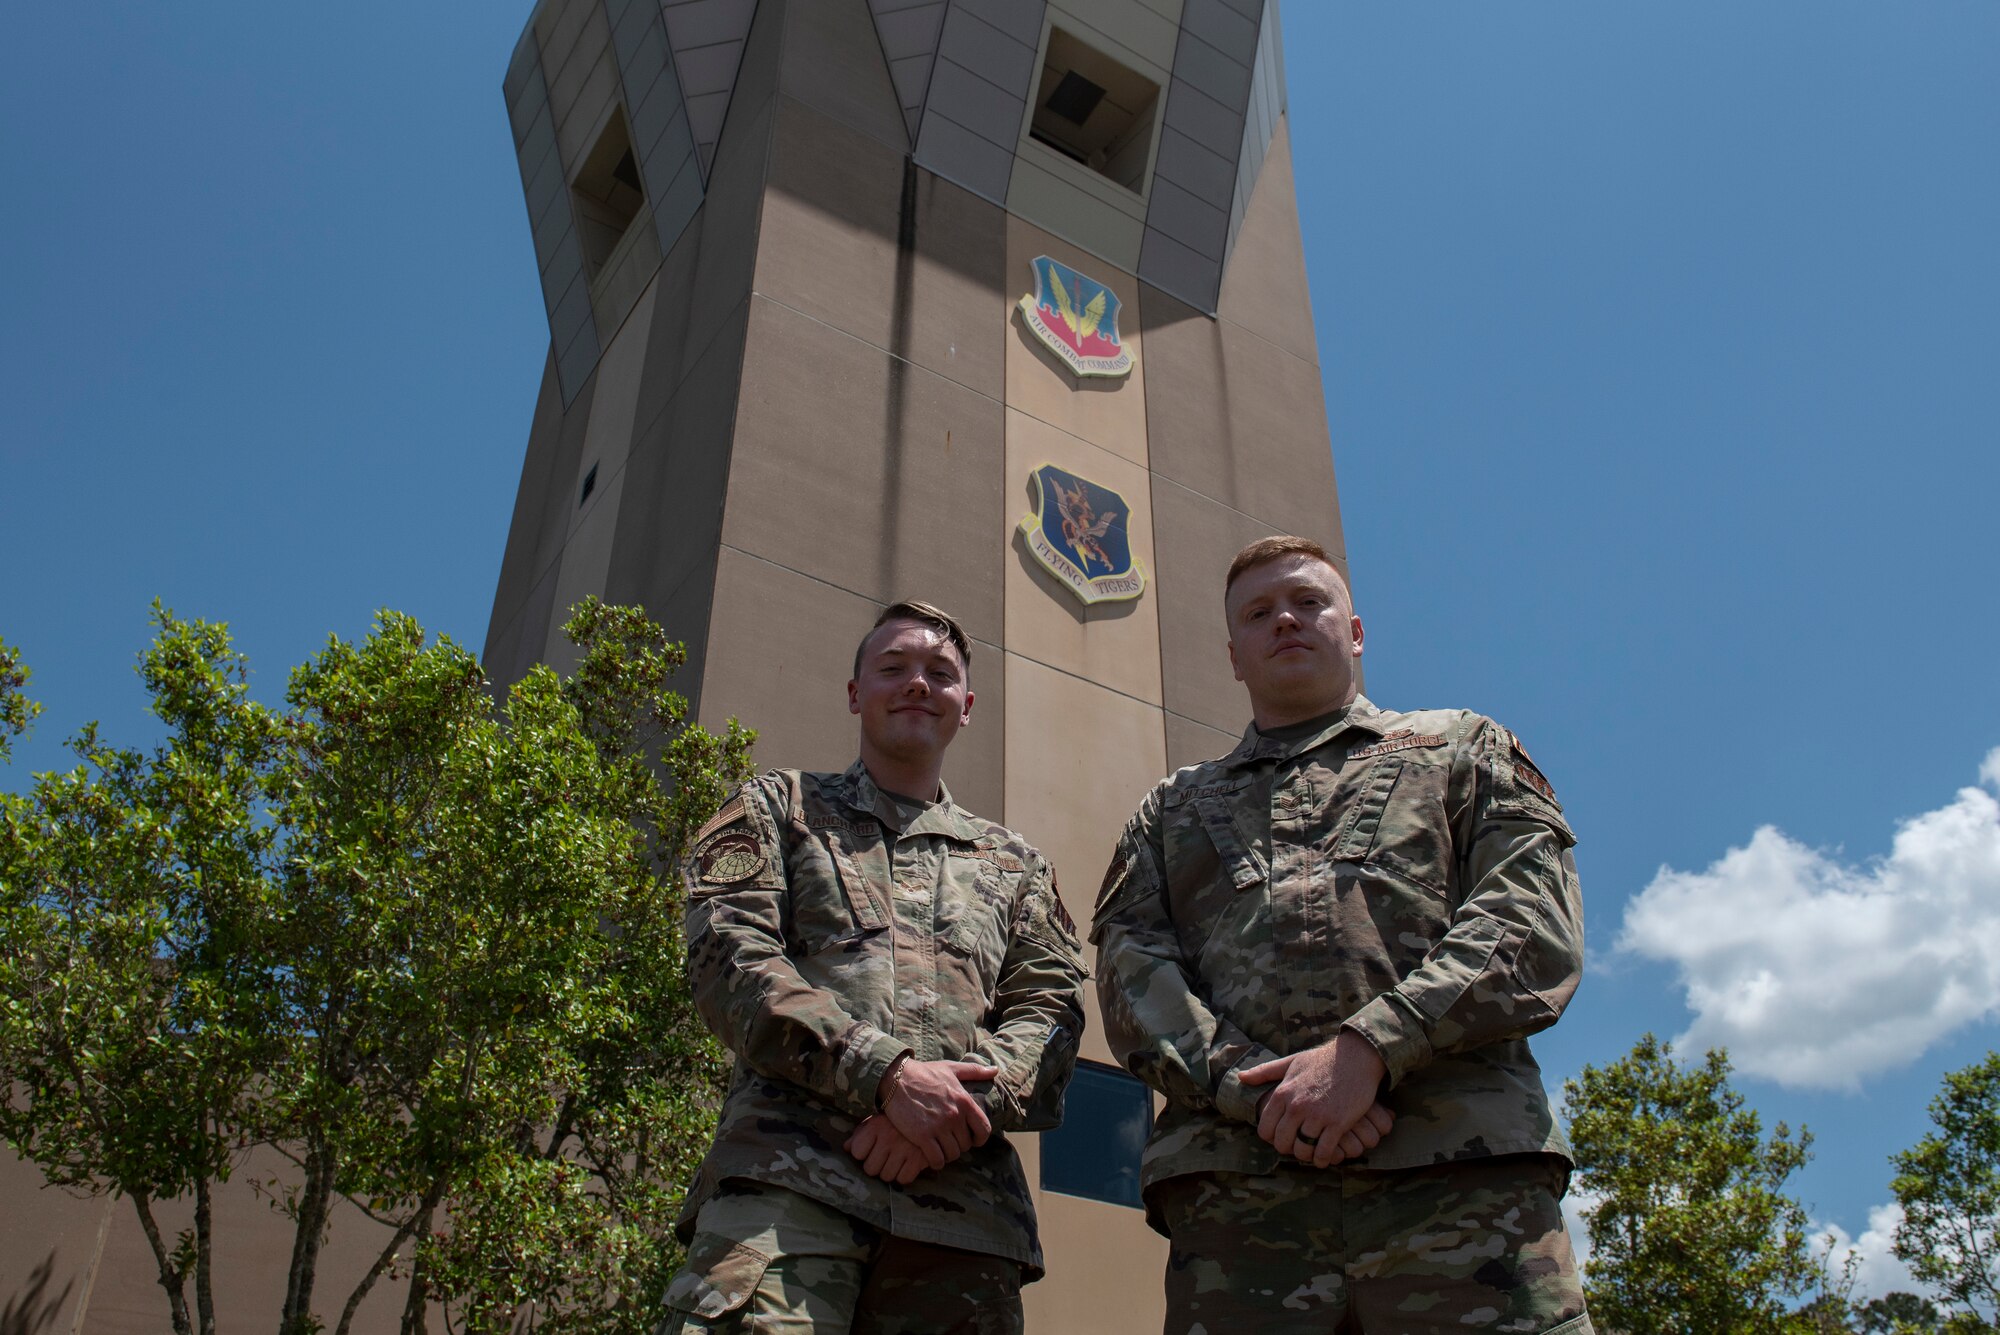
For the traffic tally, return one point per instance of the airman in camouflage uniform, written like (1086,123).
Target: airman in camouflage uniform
(1353,905)
(897,980)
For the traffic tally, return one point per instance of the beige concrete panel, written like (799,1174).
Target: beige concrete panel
(1045,189)
(670,513)
(729,228)
(593,520)
(517,572)
(667,343)
(1108,413)
(832,247)
(1139,33)
(626,276)
(1113,644)
(734,201)
(1191,743)
(1264,281)
(614,406)
(1194,658)
(833,62)
(1106,1270)
(1105,1266)
(517,646)
(893,466)
(49,1248)
(582,105)
(1079,759)
(1238,419)
(585,563)
(1095,185)
(253,1245)
(557,24)
(556,499)
(780,652)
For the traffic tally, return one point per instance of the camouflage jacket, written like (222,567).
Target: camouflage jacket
(832,928)
(1407,876)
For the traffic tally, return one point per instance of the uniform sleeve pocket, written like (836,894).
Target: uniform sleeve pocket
(719,1278)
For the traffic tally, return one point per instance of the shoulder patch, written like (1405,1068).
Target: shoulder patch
(1059,910)
(1113,875)
(726,858)
(731,812)
(1526,770)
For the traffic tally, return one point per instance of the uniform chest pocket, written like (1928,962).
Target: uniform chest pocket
(1394,818)
(833,895)
(1242,862)
(974,906)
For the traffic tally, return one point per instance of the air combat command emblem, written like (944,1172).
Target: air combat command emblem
(1077,319)
(1086,542)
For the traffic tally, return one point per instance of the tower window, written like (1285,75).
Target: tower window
(1107,1116)
(589,485)
(1094,110)
(607,193)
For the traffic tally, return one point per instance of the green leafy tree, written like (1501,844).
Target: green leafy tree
(423,943)
(1691,1230)
(1898,1313)
(17,711)
(1949,1187)
(136,1003)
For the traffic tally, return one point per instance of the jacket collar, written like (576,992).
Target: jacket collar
(1255,746)
(857,789)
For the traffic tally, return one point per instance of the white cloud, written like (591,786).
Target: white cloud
(1877,1272)
(1817,972)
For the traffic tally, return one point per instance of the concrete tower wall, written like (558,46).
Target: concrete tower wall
(825,400)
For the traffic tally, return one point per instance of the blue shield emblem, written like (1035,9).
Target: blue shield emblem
(1076,318)
(1080,533)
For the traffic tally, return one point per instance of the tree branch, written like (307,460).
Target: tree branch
(420,1221)
(171,1278)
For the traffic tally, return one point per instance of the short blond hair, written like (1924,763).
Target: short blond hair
(924,614)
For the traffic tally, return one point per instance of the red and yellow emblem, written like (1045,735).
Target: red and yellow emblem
(1077,319)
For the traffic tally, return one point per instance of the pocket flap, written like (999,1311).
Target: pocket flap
(1244,863)
(868,916)
(719,1277)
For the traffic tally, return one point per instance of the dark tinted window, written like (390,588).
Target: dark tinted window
(1095,1152)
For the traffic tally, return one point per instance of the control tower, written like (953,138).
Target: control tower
(999,304)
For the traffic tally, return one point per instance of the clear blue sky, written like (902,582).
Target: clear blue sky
(1662,352)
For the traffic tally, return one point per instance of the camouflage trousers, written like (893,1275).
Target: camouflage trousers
(1469,1246)
(765,1259)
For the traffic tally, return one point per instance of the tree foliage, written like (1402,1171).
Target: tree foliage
(17,711)
(1898,1313)
(1949,1186)
(424,944)
(1691,1230)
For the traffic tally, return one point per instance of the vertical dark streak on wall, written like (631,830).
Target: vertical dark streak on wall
(889,559)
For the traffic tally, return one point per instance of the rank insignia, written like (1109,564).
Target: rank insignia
(1086,543)
(1076,318)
